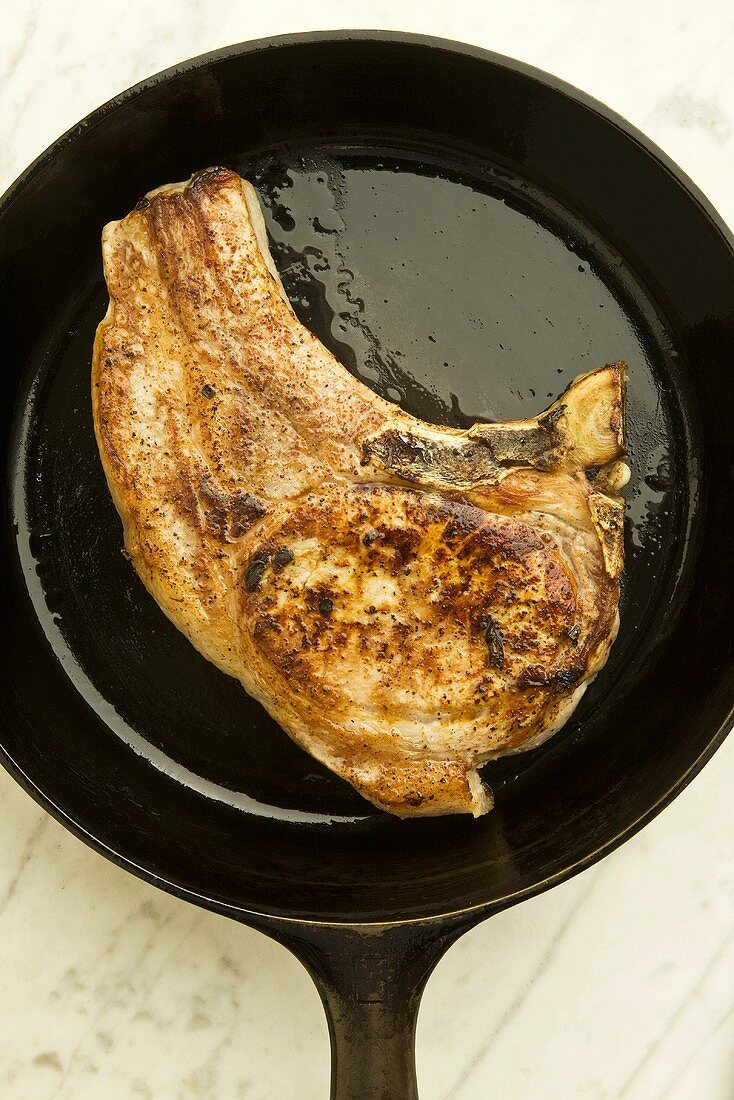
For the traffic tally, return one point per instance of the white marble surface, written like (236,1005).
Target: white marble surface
(616,986)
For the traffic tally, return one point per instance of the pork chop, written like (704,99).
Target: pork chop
(407,601)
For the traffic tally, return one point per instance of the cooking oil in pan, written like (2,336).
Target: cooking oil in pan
(459,295)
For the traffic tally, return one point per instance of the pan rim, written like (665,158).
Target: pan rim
(607,115)
(278,919)
(426,41)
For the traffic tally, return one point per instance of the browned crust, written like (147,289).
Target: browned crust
(229,435)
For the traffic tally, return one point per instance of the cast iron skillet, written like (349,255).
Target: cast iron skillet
(468,234)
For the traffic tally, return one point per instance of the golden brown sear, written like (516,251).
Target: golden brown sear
(408,601)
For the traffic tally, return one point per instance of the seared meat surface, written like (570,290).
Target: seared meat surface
(407,601)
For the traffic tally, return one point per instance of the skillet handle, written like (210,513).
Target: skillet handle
(371,981)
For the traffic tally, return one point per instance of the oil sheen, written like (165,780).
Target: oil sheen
(461,294)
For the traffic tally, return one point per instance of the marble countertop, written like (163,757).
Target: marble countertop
(618,985)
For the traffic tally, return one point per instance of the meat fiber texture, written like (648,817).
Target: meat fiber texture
(407,601)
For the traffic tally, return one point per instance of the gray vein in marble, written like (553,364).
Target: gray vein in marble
(9,132)
(8,72)
(25,859)
(695,1054)
(107,1002)
(569,38)
(692,113)
(676,1014)
(172,954)
(208,1069)
(49,1059)
(556,940)
(709,56)
(15,59)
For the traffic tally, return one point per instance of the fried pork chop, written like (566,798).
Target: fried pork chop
(407,601)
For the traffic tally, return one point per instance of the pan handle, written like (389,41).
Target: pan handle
(371,980)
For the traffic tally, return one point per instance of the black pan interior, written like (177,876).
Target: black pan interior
(466,238)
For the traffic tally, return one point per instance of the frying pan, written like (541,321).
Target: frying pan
(467,234)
